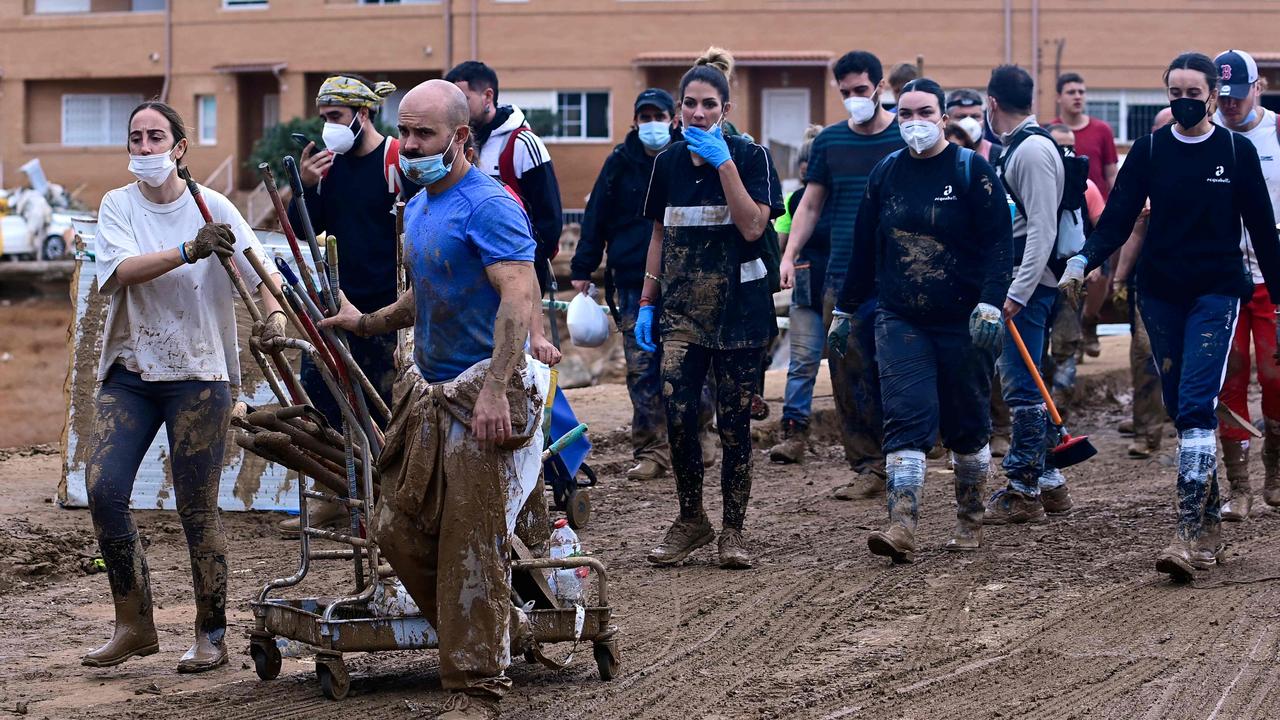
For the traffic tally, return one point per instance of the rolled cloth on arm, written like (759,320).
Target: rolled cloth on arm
(350,92)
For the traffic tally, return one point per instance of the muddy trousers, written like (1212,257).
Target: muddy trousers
(1024,464)
(644,385)
(855,384)
(1066,338)
(1149,416)
(1257,322)
(684,371)
(195,414)
(454,558)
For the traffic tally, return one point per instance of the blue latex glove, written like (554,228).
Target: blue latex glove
(984,326)
(709,145)
(1072,282)
(645,336)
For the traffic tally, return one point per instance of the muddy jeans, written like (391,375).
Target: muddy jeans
(1190,340)
(195,415)
(684,373)
(1257,322)
(807,336)
(375,356)
(1032,430)
(1149,415)
(644,385)
(855,384)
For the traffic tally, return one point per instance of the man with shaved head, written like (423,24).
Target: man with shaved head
(464,442)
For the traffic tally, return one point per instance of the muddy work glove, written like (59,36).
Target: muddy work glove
(709,145)
(212,238)
(984,327)
(270,331)
(1072,282)
(645,329)
(841,329)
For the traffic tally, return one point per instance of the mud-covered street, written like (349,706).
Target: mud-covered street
(1062,620)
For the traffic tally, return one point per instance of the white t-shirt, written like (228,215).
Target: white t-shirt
(1263,136)
(181,325)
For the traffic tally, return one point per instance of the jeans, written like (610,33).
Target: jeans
(375,356)
(684,372)
(1257,319)
(933,381)
(808,338)
(1190,340)
(1032,430)
(644,384)
(855,383)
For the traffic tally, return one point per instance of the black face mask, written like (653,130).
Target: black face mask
(1188,112)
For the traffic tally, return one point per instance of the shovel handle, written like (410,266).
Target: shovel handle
(1035,372)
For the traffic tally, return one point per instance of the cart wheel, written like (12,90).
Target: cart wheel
(334,680)
(266,658)
(606,653)
(579,509)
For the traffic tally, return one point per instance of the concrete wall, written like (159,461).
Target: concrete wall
(572,44)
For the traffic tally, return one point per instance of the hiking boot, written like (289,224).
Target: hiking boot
(795,439)
(1175,561)
(324,515)
(1271,462)
(682,538)
(999,445)
(1238,500)
(1143,448)
(896,543)
(1092,347)
(1010,507)
(461,706)
(1126,428)
(866,485)
(733,550)
(646,469)
(759,408)
(135,632)
(1055,501)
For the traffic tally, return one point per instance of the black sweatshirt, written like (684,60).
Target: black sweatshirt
(934,248)
(1200,193)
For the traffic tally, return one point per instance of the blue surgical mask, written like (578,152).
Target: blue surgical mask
(427,170)
(655,135)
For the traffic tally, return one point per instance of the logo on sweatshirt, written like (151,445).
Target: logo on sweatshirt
(946,194)
(1217,176)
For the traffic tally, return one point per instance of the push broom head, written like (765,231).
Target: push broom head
(1071,451)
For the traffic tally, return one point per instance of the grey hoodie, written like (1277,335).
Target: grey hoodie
(1034,173)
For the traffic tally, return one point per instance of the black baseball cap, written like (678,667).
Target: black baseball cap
(1238,72)
(963,97)
(658,98)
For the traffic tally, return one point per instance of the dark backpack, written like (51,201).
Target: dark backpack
(1071,208)
(964,167)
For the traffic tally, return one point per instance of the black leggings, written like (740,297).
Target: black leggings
(684,372)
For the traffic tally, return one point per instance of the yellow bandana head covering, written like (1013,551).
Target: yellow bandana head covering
(350,92)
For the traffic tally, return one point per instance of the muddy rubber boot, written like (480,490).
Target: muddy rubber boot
(1209,550)
(682,538)
(1175,561)
(866,485)
(1271,462)
(324,515)
(461,706)
(905,479)
(971,473)
(733,550)
(209,573)
(1197,482)
(1092,346)
(795,440)
(135,632)
(1238,500)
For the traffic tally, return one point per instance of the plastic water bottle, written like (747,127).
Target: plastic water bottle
(567,584)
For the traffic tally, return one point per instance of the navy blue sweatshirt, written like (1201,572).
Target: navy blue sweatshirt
(930,247)
(1200,194)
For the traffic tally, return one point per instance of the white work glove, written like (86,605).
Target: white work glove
(1072,283)
(984,327)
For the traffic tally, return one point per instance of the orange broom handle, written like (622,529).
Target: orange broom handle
(1035,373)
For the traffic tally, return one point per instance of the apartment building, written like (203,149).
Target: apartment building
(70,70)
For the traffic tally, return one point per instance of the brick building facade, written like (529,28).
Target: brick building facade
(71,69)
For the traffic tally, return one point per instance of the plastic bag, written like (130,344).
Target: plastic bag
(588,325)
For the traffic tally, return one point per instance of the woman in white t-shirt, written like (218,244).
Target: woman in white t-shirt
(169,356)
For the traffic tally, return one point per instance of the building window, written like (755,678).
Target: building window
(236,4)
(399,2)
(147,5)
(564,115)
(1128,112)
(270,111)
(96,119)
(207,119)
(62,6)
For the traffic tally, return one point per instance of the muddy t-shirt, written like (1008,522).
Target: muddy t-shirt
(927,246)
(450,238)
(714,287)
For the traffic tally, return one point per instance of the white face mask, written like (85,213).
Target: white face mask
(861,109)
(920,135)
(339,138)
(971,127)
(153,170)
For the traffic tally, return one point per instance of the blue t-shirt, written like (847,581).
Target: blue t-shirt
(450,239)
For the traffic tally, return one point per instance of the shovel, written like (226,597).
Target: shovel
(1070,450)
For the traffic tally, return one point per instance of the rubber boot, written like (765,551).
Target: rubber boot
(209,573)
(1197,463)
(1271,462)
(905,480)
(135,632)
(1239,495)
(971,473)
